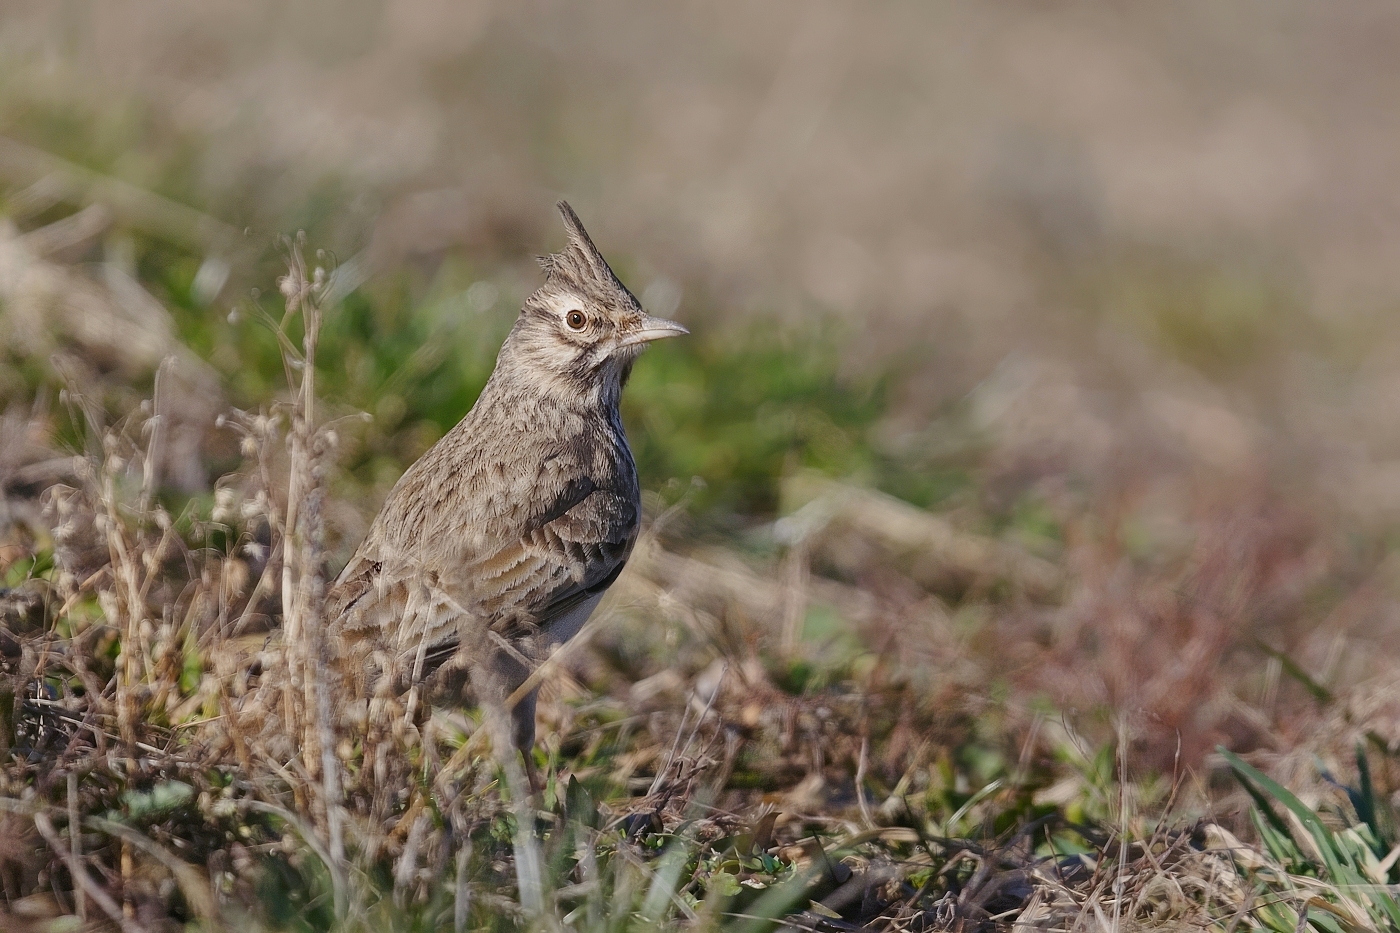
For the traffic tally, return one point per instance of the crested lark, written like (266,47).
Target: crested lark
(516,522)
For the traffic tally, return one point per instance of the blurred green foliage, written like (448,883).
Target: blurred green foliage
(735,409)
(717,418)
(739,410)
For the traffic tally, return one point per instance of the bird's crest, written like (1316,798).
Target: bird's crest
(579,266)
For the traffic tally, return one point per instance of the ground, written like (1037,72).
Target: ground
(1044,578)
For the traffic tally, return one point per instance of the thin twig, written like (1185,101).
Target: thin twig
(82,879)
(861,764)
(461,907)
(75,843)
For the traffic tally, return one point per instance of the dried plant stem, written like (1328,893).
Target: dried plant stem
(128,591)
(407,867)
(462,903)
(308,706)
(75,844)
(81,878)
(528,862)
(193,884)
(1120,881)
(862,765)
(313,841)
(796,574)
(154,428)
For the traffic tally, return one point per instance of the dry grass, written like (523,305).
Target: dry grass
(1142,332)
(176,750)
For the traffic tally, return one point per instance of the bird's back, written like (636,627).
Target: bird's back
(522,512)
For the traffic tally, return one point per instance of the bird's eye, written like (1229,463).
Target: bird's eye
(576,320)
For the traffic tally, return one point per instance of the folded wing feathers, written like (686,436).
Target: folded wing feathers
(517,590)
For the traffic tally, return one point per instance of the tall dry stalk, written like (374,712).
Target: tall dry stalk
(307,695)
(138,540)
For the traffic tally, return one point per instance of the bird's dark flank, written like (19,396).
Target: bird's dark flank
(507,532)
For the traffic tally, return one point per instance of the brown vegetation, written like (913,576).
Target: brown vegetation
(1118,281)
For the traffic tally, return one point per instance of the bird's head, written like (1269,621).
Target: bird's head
(582,329)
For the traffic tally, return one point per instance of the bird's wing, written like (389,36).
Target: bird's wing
(355,582)
(556,566)
(592,539)
(571,550)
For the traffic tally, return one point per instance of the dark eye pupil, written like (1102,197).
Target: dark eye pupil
(575,319)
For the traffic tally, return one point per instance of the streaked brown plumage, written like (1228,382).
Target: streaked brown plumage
(518,520)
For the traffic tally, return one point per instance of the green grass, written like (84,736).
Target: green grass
(718,420)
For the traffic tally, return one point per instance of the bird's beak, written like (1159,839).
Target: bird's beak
(652,328)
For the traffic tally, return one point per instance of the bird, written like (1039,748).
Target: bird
(504,536)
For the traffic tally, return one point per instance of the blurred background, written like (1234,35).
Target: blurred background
(1104,290)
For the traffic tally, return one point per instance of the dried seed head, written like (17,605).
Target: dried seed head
(226,504)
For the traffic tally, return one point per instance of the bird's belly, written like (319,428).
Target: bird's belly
(567,625)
